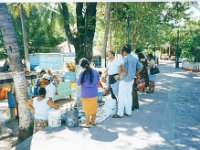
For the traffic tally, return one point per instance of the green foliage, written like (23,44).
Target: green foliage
(190,42)
(145,21)
(2,49)
(40,32)
(151,24)
(43,33)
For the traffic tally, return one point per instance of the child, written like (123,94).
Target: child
(40,106)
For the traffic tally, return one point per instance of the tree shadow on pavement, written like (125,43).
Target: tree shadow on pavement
(25,145)
(103,134)
(167,119)
(50,130)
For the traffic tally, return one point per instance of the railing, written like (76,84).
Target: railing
(191,66)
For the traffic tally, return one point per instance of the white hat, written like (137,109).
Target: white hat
(46,76)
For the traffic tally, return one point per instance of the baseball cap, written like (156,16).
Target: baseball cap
(46,76)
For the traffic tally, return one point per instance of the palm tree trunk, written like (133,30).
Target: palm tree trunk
(24,38)
(106,33)
(10,43)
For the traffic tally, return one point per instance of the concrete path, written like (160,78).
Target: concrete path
(167,120)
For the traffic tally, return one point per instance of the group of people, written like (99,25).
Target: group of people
(121,78)
(148,63)
(121,75)
(42,99)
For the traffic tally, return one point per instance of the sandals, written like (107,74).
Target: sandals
(85,126)
(127,115)
(116,116)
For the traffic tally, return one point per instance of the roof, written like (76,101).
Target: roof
(64,47)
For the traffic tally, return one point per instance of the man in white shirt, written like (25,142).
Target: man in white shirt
(111,71)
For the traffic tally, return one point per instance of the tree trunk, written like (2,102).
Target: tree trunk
(24,38)
(106,31)
(110,39)
(10,43)
(80,52)
(86,24)
(69,47)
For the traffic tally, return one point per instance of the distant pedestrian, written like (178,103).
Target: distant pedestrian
(40,106)
(144,72)
(152,78)
(88,80)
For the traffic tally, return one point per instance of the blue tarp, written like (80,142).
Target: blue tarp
(52,61)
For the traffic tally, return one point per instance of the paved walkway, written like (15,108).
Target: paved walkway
(167,120)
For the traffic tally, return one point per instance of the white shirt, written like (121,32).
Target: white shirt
(153,64)
(41,108)
(113,67)
(50,91)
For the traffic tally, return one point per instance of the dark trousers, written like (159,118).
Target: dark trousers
(112,94)
(135,104)
(112,81)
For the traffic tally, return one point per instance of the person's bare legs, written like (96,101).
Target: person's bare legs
(93,119)
(150,86)
(145,89)
(87,120)
(153,86)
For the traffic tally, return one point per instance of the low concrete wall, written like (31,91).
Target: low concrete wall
(191,66)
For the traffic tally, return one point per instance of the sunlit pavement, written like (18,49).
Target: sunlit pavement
(167,120)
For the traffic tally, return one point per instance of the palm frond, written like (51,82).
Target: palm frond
(27,8)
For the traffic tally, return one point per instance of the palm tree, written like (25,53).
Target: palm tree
(19,9)
(55,18)
(12,49)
